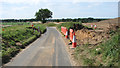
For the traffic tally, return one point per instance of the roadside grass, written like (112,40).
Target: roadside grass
(68,25)
(104,54)
(50,24)
(15,23)
(42,27)
(17,37)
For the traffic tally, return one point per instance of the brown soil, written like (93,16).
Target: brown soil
(85,36)
(106,24)
(96,36)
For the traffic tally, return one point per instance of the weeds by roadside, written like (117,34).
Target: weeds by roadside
(104,54)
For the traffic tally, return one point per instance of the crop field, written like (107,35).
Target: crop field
(17,37)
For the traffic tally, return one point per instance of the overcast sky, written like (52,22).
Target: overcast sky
(22,9)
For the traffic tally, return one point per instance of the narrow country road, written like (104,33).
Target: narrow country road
(48,50)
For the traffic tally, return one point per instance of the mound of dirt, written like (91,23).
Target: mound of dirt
(91,37)
(94,37)
(105,25)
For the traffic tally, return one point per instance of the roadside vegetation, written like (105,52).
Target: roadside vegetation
(17,37)
(104,54)
(50,24)
(42,27)
(68,25)
(15,23)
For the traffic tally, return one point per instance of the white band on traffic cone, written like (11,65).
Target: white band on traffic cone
(66,36)
(66,33)
(95,26)
(74,39)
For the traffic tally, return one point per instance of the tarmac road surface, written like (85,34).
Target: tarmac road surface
(48,50)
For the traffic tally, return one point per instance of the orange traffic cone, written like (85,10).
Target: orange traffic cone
(91,25)
(74,41)
(66,36)
(95,26)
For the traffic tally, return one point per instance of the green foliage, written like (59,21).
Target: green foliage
(111,32)
(6,55)
(68,25)
(43,14)
(42,27)
(89,62)
(83,20)
(111,50)
(26,42)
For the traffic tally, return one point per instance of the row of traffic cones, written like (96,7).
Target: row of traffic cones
(74,44)
(93,26)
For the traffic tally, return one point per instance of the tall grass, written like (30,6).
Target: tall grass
(111,51)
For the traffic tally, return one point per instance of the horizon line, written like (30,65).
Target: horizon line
(65,18)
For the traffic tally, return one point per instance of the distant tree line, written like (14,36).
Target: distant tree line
(18,20)
(83,20)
